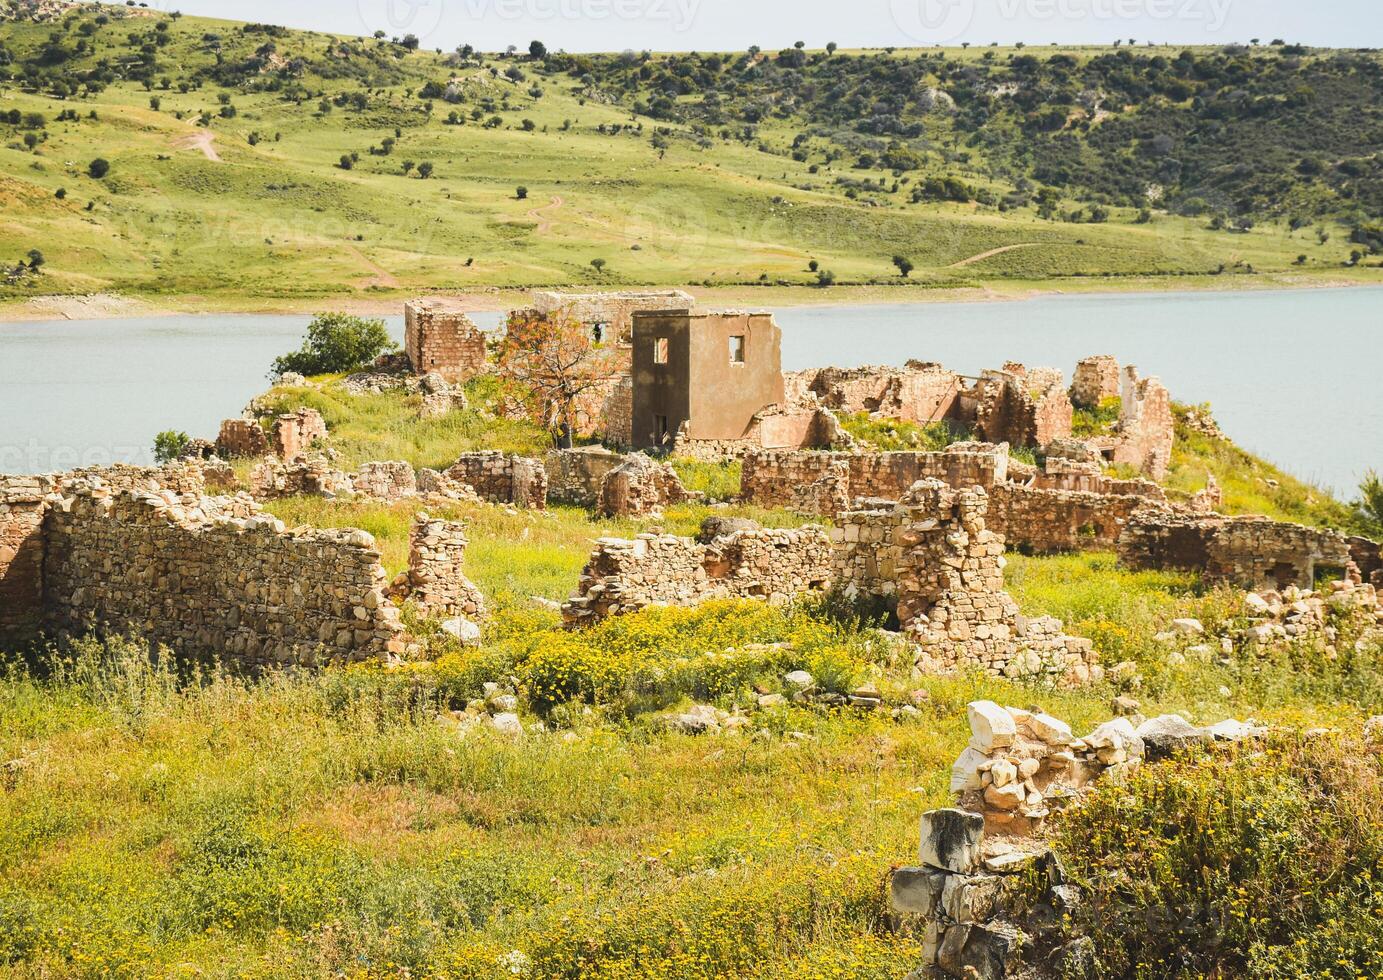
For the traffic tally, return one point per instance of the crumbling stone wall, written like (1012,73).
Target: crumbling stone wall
(575,476)
(21,551)
(1033,519)
(624,576)
(309,475)
(241,438)
(442,341)
(786,478)
(917,392)
(436,580)
(388,480)
(1251,552)
(503,478)
(212,575)
(1059,473)
(1143,436)
(617,411)
(639,486)
(295,432)
(1022,406)
(951,596)
(612,312)
(1368,556)
(180,476)
(1096,379)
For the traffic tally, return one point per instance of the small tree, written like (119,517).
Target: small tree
(550,361)
(36,259)
(346,162)
(521,192)
(170,445)
(336,342)
(813,265)
(424,170)
(825,278)
(598,265)
(98,168)
(1369,506)
(904,265)
(537,50)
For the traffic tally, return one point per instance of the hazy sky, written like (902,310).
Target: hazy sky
(613,25)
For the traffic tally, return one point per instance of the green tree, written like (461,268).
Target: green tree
(424,170)
(336,342)
(170,445)
(904,265)
(598,265)
(1369,506)
(99,167)
(521,192)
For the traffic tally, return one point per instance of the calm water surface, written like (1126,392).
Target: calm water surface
(1292,375)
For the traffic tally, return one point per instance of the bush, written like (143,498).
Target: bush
(98,168)
(170,445)
(1254,864)
(336,343)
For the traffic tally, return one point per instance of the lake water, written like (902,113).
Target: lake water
(1292,375)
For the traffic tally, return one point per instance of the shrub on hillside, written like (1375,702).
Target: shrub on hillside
(1261,863)
(335,343)
(170,445)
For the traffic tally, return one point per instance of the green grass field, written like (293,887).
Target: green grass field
(193,215)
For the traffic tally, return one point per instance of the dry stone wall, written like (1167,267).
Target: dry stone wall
(1096,379)
(1032,519)
(917,392)
(813,482)
(212,575)
(1022,406)
(503,478)
(612,312)
(21,551)
(242,438)
(436,580)
(575,476)
(1251,552)
(442,341)
(639,486)
(624,576)
(295,432)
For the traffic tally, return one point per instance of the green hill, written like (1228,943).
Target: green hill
(250,161)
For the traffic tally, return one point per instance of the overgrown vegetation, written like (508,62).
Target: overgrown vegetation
(894,435)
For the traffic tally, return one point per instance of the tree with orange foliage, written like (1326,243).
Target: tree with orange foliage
(550,361)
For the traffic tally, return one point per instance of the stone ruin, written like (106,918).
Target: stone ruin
(989,892)
(625,576)
(640,486)
(442,341)
(1251,552)
(932,554)
(1022,406)
(209,575)
(1096,380)
(503,478)
(610,313)
(1142,437)
(826,483)
(289,435)
(575,476)
(917,392)
(436,581)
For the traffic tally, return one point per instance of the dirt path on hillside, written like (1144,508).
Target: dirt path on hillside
(382,276)
(993,251)
(538,214)
(200,140)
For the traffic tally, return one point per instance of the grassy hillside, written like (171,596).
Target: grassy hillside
(226,180)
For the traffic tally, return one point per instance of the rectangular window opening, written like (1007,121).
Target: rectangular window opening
(737,349)
(660,426)
(660,350)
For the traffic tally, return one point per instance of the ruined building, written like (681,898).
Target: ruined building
(917,392)
(443,341)
(701,378)
(610,315)
(1250,552)
(1022,406)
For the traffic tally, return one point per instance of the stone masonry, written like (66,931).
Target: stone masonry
(242,438)
(640,486)
(612,313)
(575,476)
(295,432)
(1041,521)
(787,478)
(951,598)
(21,551)
(436,581)
(1022,406)
(503,478)
(212,575)
(1251,552)
(442,341)
(624,576)
(1096,379)
(916,392)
